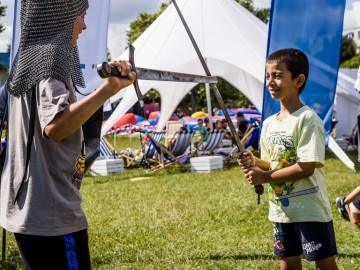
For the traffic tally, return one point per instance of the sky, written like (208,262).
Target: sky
(122,12)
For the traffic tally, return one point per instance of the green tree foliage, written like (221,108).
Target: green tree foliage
(354,62)
(349,58)
(348,49)
(2,14)
(142,22)
(152,96)
(196,99)
(262,13)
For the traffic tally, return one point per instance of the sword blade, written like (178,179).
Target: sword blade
(161,75)
(105,70)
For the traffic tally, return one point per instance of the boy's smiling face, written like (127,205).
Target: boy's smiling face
(279,82)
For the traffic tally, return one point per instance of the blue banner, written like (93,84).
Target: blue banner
(315,27)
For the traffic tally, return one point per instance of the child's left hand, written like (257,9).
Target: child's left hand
(255,176)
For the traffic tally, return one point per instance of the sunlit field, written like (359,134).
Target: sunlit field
(176,219)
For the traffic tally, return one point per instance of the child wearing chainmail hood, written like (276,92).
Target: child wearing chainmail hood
(40,198)
(292,155)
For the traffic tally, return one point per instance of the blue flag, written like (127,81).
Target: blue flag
(315,27)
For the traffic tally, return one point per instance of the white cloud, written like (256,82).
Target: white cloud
(352,15)
(262,3)
(117,39)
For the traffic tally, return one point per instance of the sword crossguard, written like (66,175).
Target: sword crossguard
(136,83)
(105,71)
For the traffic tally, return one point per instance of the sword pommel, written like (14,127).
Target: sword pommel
(105,70)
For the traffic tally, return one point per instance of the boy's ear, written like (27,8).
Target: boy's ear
(300,80)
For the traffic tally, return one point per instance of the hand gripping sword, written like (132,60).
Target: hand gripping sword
(259,189)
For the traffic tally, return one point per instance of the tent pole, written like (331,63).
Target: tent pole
(209,108)
(208,102)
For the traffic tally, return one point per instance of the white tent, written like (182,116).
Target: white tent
(231,39)
(233,42)
(347,102)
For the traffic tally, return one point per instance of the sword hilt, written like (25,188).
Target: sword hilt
(259,189)
(105,71)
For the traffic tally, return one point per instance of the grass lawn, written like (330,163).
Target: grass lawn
(175,219)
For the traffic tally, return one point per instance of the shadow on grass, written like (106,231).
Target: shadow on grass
(350,256)
(264,257)
(238,257)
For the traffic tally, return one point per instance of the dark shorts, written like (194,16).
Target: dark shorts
(65,252)
(316,240)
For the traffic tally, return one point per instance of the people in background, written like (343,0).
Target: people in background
(349,207)
(243,126)
(207,124)
(218,125)
(203,134)
(172,142)
(227,133)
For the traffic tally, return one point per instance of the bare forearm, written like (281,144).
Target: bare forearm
(262,164)
(258,176)
(292,173)
(76,114)
(353,194)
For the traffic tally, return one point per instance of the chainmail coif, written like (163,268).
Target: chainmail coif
(45,48)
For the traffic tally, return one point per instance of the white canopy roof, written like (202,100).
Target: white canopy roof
(231,39)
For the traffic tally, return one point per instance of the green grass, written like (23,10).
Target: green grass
(175,219)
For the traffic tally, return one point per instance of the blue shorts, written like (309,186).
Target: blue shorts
(316,240)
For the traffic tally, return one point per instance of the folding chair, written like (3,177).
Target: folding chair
(172,129)
(149,152)
(213,142)
(175,154)
(352,140)
(106,149)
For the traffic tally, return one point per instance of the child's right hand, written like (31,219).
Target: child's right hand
(114,84)
(246,160)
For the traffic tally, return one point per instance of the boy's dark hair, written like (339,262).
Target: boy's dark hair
(200,120)
(295,60)
(240,114)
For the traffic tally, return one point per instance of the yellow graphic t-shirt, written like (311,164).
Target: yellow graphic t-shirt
(299,137)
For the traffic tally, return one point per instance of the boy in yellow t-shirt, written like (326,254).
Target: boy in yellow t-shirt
(292,154)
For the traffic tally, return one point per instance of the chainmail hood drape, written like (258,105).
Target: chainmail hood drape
(45,48)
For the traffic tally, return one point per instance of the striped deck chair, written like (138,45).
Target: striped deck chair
(175,154)
(213,142)
(149,152)
(105,150)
